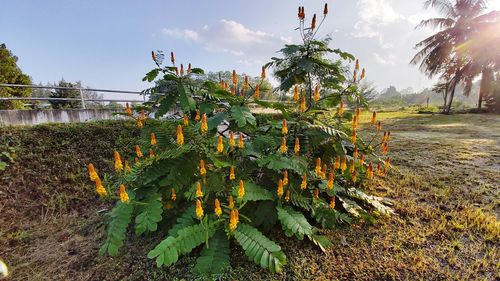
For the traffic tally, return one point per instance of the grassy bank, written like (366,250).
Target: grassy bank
(444,185)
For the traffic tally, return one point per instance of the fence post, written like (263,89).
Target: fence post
(81,97)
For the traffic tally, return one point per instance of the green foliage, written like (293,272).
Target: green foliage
(254,192)
(149,215)
(294,223)
(169,250)
(242,116)
(213,260)
(120,217)
(259,249)
(10,73)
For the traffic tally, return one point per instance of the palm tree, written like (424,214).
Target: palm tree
(456,51)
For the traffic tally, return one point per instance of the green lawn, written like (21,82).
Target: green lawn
(445,188)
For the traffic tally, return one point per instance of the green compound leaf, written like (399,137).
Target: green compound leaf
(188,218)
(149,216)
(242,116)
(259,248)
(294,223)
(169,250)
(121,215)
(214,259)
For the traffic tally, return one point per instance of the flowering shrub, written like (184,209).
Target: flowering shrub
(231,173)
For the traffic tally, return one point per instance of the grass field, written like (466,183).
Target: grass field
(445,186)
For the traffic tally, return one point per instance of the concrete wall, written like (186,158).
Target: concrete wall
(33,117)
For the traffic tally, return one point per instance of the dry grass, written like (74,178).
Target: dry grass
(445,184)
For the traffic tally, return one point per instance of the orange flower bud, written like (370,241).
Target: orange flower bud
(231,139)
(313,22)
(230,202)
(245,84)
(296,148)
(283,147)
(379,126)
(284,129)
(182,70)
(256,94)
(325,10)
(231,173)
(331,178)
(204,124)
(118,162)
(199,209)
(173,195)
(341,108)
(369,172)
(353,137)
(197,117)
(241,190)
(153,55)
(343,165)
(316,94)
(151,153)
(287,196)
(99,188)
(361,160)
(189,69)
(153,139)
(317,169)
(285,178)
(303,184)
(128,110)
(220,145)
(263,73)
(233,220)
(199,193)
(203,170)
(279,192)
(234,78)
(351,166)
(185,120)
(332,203)
(356,67)
(354,76)
(374,118)
(218,209)
(92,173)
(323,171)
(180,135)
(316,193)
(233,91)
(296,93)
(241,142)
(336,165)
(123,194)
(362,74)
(172,59)
(355,153)
(138,151)
(303,104)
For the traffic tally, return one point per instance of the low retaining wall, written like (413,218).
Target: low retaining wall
(33,117)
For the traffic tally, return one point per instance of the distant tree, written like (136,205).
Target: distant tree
(10,73)
(65,93)
(440,88)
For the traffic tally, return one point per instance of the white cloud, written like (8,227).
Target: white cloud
(374,14)
(228,36)
(181,34)
(388,60)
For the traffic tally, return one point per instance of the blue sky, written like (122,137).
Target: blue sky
(107,44)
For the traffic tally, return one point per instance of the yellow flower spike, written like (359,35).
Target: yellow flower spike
(351,166)
(296,147)
(379,126)
(203,170)
(123,194)
(92,173)
(197,117)
(386,148)
(296,93)
(353,137)
(316,193)
(332,203)
(343,165)
(118,162)
(199,209)
(357,113)
(241,190)
(354,122)
(204,124)
(241,142)
(283,147)
(136,160)
(151,153)
(287,196)
(220,145)
(325,10)
(303,104)
(285,178)
(199,193)
(231,173)
(317,169)
(313,22)
(185,120)
(279,192)
(234,78)
(341,108)
(231,139)
(323,172)
(245,83)
(356,67)
(153,139)
(256,94)
(303,184)
(99,188)
(233,220)
(230,202)
(379,170)
(331,178)
(139,123)
(374,118)
(173,195)
(336,165)
(369,172)
(182,70)
(233,91)
(355,153)
(189,69)
(316,94)
(138,151)
(172,58)
(128,169)
(180,135)
(363,73)
(218,209)
(143,115)
(263,73)
(128,110)
(387,163)
(284,129)
(354,176)
(176,71)
(361,160)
